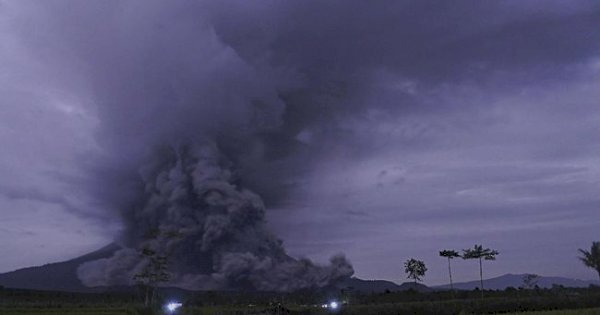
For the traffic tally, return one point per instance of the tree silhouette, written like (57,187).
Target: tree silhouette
(592,258)
(450,254)
(154,272)
(415,269)
(478,252)
(156,264)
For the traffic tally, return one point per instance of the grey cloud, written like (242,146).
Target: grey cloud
(418,39)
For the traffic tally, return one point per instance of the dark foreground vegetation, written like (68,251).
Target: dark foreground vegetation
(25,302)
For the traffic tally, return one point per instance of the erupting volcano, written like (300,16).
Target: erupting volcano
(212,231)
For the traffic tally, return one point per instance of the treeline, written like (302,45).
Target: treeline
(401,302)
(435,303)
(557,292)
(10,298)
(491,305)
(14,298)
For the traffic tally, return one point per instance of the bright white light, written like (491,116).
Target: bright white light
(333,305)
(173,306)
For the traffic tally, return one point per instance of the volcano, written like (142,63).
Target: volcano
(60,276)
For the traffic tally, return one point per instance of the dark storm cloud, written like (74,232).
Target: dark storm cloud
(404,112)
(416,39)
(357,58)
(295,70)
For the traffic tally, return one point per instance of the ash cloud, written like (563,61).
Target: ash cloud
(182,119)
(188,128)
(212,231)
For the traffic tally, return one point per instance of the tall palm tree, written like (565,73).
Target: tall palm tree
(591,258)
(478,252)
(450,254)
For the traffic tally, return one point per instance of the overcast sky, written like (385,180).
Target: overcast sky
(384,130)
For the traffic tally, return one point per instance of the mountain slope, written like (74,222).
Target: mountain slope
(367,286)
(60,276)
(516,280)
(379,286)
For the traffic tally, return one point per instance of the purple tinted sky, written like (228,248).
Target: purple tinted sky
(415,126)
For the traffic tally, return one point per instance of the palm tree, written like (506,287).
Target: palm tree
(450,254)
(591,258)
(478,252)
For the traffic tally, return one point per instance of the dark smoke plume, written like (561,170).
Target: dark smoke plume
(212,231)
(191,129)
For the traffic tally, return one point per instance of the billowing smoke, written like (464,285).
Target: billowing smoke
(211,231)
(192,129)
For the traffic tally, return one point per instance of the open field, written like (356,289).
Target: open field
(591,311)
(554,301)
(227,310)
(68,311)
(215,311)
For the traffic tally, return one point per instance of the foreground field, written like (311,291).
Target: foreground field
(110,311)
(567,301)
(208,311)
(591,311)
(68,311)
